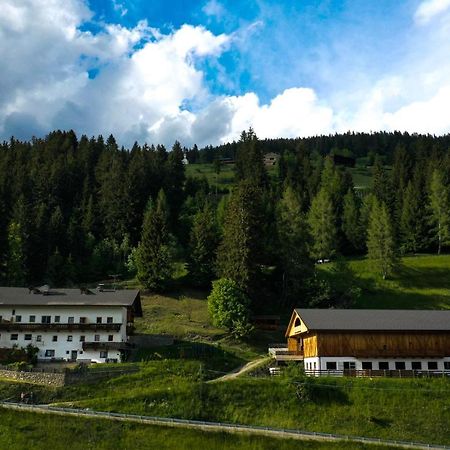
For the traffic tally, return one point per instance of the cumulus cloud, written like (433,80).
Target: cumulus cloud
(214,8)
(429,9)
(149,85)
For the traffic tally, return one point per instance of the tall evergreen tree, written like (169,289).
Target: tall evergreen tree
(249,160)
(16,259)
(297,265)
(240,252)
(440,209)
(203,246)
(380,241)
(154,256)
(322,225)
(351,221)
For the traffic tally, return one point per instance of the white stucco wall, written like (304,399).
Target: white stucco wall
(67,341)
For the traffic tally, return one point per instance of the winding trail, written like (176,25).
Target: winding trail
(242,370)
(215,426)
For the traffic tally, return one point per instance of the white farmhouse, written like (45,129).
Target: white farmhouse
(69,324)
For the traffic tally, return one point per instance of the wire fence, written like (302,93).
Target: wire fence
(213,426)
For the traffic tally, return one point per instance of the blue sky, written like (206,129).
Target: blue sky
(201,71)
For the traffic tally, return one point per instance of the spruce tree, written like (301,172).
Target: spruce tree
(322,225)
(351,221)
(296,263)
(240,252)
(15,260)
(440,209)
(380,241)
(154,256)
(411,220)
(203,246)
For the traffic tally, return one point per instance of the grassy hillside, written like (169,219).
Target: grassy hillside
(405,409)
(19,431)
(422,282)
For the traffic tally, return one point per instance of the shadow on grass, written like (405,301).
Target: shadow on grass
(423,277)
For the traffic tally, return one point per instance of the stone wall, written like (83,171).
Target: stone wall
(47,379)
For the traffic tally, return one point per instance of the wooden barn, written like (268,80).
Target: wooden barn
(340,340)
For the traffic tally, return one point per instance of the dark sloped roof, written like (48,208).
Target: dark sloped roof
(375,319)
(13,296)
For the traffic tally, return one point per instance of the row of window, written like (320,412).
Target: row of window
(57,319)
(29,337)
(382,365)
(51,353)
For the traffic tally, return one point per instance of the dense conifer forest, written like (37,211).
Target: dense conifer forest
(77,210)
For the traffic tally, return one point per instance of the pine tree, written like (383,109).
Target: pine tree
(249,160)
(410,220)
(380,241)
(203,246)
(154,256)
(240,252)
(15,261)
(322,225)
(351,221)
(297,265)
(440,209)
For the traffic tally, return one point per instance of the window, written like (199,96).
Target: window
(383,365)
(14,337)
(110,338)
(400,365)
(32,319)
(18,318)
(367,365)
(99,320)
(446,365)
(109,320)
(297,322)
(1,318)
(45,319)
(55,338)
(69,338)
(27,337)
(97,337)
(49,353)
(38,338)
(82,319)
(67,352)
(57,319)
(70,320)
(103,354)
(349,365)
(82,338)
(13,312)
(331,365)
(432,365)
(416,365)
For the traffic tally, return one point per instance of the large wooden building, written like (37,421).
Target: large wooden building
(358,339)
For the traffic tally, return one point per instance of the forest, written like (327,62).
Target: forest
(78,210)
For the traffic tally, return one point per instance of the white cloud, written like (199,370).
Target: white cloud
(429,9)
(150,87)
(120,8)
(214,9)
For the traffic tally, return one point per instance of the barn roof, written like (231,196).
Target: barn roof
(375,319)
(19,296)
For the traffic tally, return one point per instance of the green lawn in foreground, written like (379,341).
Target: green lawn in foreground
(401,409)
(28,431)
(422,282)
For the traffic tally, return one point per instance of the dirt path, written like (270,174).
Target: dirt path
(243,369)
(214,426)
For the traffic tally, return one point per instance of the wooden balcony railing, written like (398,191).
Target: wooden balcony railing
(19,326)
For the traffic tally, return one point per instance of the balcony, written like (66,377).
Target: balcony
(106,345)
(281,353)
(19,326)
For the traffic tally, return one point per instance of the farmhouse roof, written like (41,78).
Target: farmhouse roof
(19,296)
(375,319)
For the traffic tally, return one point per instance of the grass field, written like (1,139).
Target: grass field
(422,282)
(28,431)
(402,409)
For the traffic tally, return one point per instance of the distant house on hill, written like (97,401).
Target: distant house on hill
(270,159)
(371,342)
(69,324)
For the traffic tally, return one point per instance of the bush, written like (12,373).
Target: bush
(229,307)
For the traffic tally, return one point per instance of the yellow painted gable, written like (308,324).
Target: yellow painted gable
(294,326)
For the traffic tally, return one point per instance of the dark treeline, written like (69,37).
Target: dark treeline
(358,144)
(74,211)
